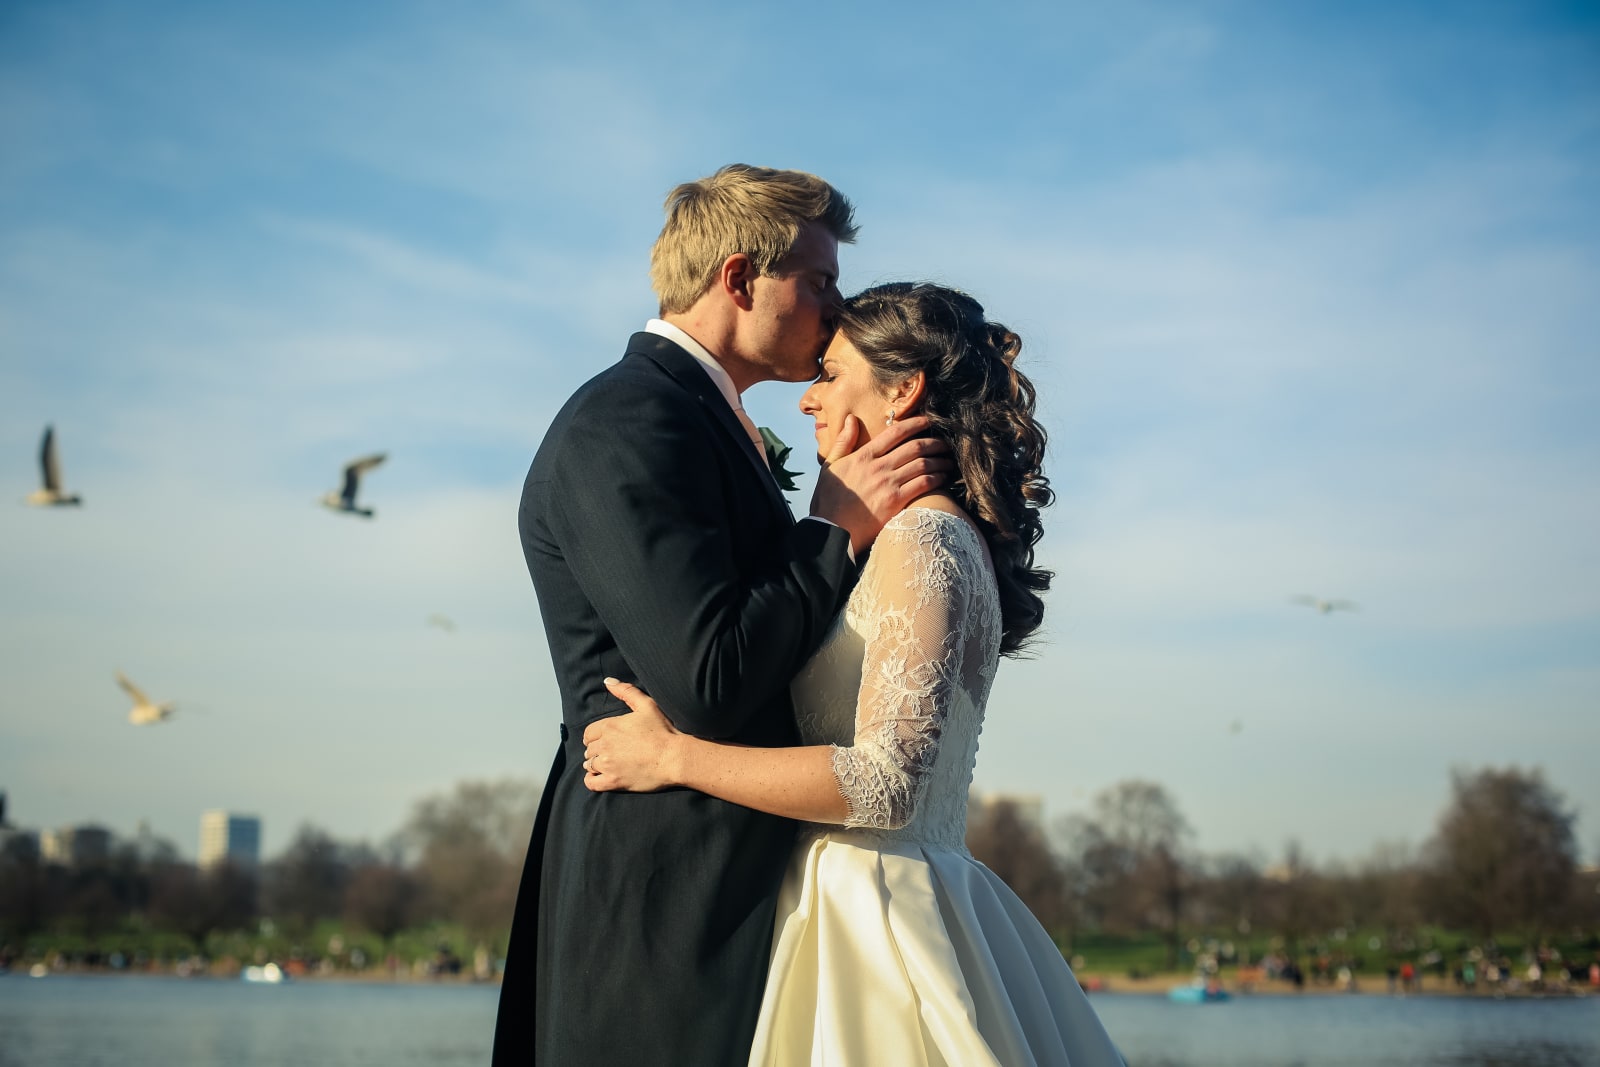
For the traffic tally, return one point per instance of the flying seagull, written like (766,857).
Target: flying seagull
(1324,607)
(345,499)
(50,495)
(144,711)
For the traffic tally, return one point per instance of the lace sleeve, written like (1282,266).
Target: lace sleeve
(912,668)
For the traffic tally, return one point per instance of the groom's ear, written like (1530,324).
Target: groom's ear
(736,276)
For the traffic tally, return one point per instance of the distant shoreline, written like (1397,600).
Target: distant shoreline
(1111,984)
(1095,983)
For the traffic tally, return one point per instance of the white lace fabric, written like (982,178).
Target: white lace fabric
(899,686)
(893,945)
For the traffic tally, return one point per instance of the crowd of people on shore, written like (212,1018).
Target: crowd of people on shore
(1539,971)
(1487,970)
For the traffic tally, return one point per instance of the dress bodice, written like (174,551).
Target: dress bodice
(900,683)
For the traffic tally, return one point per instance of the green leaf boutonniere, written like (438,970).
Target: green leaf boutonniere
(777,452)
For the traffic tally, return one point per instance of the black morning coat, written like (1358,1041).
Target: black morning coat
(662,554)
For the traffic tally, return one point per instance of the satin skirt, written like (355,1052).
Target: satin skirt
(894,953)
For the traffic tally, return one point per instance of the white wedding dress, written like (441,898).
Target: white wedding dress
(893,946)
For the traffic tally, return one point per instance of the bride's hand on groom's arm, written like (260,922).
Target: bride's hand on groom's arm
(860,489)
(630,753)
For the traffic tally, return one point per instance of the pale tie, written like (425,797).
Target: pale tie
(755,435)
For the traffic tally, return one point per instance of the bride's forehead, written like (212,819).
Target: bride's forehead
(841,350)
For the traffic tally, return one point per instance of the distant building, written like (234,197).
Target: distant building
(234,838)
(150,849)
(76,846)
(16,843)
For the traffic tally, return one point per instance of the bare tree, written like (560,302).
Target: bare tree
(1015,848)
(382,899)
(94,907)
(1503,857)
(1233,894)
(1141,816)
(24,896)
(470,846)
(1147,836)
(1099,873)
(196,902)
(306,883)
(1299,904)
(1385,891)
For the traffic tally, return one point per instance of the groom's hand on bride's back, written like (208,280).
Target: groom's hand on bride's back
(862,488)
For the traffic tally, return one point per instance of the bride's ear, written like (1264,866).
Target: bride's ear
(905,398)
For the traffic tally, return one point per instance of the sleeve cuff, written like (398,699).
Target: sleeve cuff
(849,549)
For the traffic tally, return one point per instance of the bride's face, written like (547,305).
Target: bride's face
(845,387)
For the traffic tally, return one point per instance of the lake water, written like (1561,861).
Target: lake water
(72,1021)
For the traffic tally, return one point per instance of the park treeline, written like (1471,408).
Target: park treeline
(444,886)
(1502,866)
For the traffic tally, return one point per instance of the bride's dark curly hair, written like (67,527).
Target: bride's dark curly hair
(980,403)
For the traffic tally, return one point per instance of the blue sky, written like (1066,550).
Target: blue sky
(1308,293)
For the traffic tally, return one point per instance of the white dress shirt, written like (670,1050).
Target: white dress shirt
(719,376)
(724,384)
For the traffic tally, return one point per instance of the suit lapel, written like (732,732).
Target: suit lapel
(687,372)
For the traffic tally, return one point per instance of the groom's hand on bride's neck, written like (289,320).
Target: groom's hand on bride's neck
(861,488)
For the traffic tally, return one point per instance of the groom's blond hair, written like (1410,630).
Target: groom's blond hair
(754,210)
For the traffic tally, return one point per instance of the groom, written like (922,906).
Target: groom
(663,554)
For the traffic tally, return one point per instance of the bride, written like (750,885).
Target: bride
(893,945)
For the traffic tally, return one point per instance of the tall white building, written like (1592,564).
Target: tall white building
(225,836)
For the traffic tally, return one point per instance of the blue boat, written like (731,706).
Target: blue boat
(1197,993)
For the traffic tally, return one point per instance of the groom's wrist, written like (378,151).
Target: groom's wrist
(850,549)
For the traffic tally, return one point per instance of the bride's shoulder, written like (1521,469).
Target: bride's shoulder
(934,519)
(933,511)
(929,553)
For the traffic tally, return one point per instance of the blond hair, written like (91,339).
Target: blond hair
(754,210)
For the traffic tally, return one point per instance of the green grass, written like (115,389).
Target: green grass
(1147,954)
(327,939)
(1092,953)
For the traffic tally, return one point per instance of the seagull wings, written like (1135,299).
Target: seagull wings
(1324,607)
(131,689)
(48,463)
(353,472)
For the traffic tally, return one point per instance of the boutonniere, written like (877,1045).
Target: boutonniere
(777,452)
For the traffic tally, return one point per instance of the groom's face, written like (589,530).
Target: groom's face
(793,309)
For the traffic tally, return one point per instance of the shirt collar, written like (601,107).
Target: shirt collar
(719,376)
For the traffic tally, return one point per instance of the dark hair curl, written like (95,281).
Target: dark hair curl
(984,407)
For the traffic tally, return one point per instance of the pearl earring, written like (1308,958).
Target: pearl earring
(890,420)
